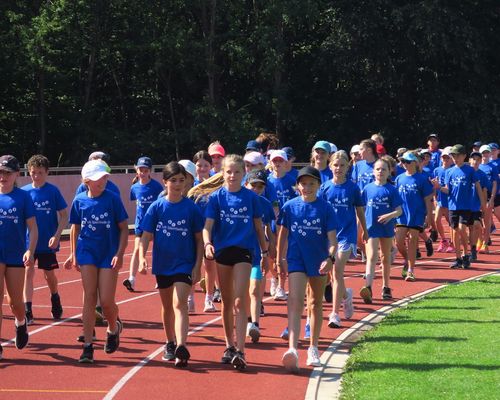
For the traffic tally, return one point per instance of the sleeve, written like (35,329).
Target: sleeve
(60,202)
(331,219)
(475,177)
(359,201)
(427,188)
(198,220)
(132,193)
(396,198)
(270,213)
(256,205)
(149,221)
(74,215)
(29,207)
(212,209)
(119,209)
(270,192)
(283,217)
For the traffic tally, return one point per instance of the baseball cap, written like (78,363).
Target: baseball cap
(99,155)
(94,170)
(409,156)
(289,152)
(216,149)
(323,145)
(484,148)
(9,163)
(477,144)
(446,151)
(333,148)
(380,149)
(257,175)
(255,157)
(278,154)
(253,145)
(355,149)
(189,167)
(424,151)
(433,135)
(309,171)
(144,162)
(493,146)
(475,154)
(458,149)
(401,151)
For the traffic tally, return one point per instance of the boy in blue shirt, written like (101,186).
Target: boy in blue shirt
(51,218)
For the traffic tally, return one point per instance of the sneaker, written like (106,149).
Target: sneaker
(274,286)
(113,340)
(410,277)
(181,356)
(347,304)
(280,294)
(191,307)
(434,235)
(22,335)
(313,357)
(284,334)
(29,317)
(290,360)
(428,248)
(366,294)
(87,356)
(404,271)
(307,331)
(169,352)
(203,285)
(99,316)
(216,297)
(456,264)
(228,355)
(239,361)
(129,284)
(466,261)
(334,320)
(262,313)
(419,255)
(473,254)
(386,293)
(451,248)
(56,309)
(328,293)
(209,306)
(81,338)
(443,245)
(253,331)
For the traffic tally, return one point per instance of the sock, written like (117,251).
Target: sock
(19,323)
(256,324)
(27,305)
(308,321)
(131,279)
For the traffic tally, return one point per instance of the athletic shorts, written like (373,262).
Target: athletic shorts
(14,265)
(138,234)
(256,273)
(457,217)
(165,281)
(420,229)
(477,216)
(47,261)
(233,255)
(344,247)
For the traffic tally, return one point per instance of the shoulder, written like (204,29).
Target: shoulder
(27,188)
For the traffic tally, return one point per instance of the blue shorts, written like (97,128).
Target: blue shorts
(344,247)
(256,273)
(309,271)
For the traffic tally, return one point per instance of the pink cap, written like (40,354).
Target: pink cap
(278,154)
(216,149)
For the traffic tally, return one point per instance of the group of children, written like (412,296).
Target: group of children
(227,221)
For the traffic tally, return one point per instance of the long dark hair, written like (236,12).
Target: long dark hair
(173,168)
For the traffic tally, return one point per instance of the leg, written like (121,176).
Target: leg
(338,281)
(412,248)
(14,281)
(371,260)
(315,306)
(210,276)
(51,278)
(181,292)
(401,233)
(167,313)
(89,281)
(107,278)
(225,273)
(3,267)
(386,247)
(29,274)
(241,274)
(297,289)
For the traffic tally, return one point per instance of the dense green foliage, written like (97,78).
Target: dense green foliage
(165,78)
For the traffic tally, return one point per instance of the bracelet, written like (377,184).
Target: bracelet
(208,244)
(264,253)
(332,258)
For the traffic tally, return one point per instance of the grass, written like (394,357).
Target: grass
(445,346)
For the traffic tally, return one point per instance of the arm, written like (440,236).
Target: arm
(29,254)
(143,248)
(327,265)
(437,186)
(63,222)
(264,251)
(73,236)
(360,213)
(281,262)
(117,261)
(428,207)
(481,193)
(491,203)
(385,218)
(207,239)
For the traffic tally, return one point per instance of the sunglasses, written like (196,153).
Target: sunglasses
(406,162)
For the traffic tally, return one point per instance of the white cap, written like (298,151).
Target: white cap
(254,157)
(278,154)
(94,170)
(333,148)
(446,151)
(189,167)
(484,147)
(355,149)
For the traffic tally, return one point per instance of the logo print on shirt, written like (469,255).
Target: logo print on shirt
(458,181)
(408,188)
(96,220)
(7,214)
(240,213)
(171,226)
(378,202)
(306,225)
(145,201)
(43,206)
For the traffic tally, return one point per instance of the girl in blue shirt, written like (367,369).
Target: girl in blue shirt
(99,233)
(144,191)
(17,213)
(445,245)
(175,223)
(491,172)
(362,171)
(233,219)
(383,206)
(203,163)
(319,159)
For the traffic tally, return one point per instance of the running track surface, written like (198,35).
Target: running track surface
(48,367)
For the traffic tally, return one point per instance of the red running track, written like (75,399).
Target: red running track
(48,367)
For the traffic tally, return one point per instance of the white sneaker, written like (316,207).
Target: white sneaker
(313,357)
(290,360)
(280,294)
(347,304)
(334,320)
(209,306)
(274,285)
(253,331)
(191,308)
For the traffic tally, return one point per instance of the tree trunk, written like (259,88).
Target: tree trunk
(42,110)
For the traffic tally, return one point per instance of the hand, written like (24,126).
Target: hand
(272,252)
(28,259)
(209,251)
(435,183)
(364,237)
(264,265)
(325,267)
(143,266)
(384,219)
(117,262)
(53,242)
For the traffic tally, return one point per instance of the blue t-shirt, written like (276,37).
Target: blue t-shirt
(308,225)
(380,200)
(400,170)
(435,159)
(326,174)
(47,201)
(293,173)
(459,181)
(99,236)
(491,173)
(442,198)
(284,187)
(267,218)
(15,208)
(173,226)
(413,189)
(109,186)
(233,214)
(362,173)
(144,196)
(484,183)
(344,198)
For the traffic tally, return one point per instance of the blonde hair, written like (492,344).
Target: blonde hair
(205,188)
(338,155)
(377,138)
(235,159)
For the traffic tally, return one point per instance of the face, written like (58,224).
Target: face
(458,158)
(446,161)
(7,180)
(38,175)
(381,171)
(278,164)
(355,157)
(474,162)
(432,143)
(233,174)
(143,172)
(98,186)
(249,166)
(486,156)
(410,166)
(494,153)
(320,155)
(426,159)
(203,168)
(256,187)
(364,151)
(188,184)
(217,161)
(175,185)
(308,186)
(339,167)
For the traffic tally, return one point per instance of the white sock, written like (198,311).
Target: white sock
(19,323)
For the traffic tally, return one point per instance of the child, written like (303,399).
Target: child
(217,153)
(306,250)
(144,191)
(233,217)
(51,218)
(491,171)
(203,163)
(477,216)
(99,233)
(319,159)
(17,214)
(362,171)
(345,197)
(99,155)
(383,206)
(175,223)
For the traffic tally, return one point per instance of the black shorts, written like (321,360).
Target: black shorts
(233,255)
(420,229)
(46,261)
(463,217)
(477,216)
(165,281)
(138,234)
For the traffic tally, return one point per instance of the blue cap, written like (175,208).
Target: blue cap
(323,145)
(477,144)
(493,146)
(253,145)
(289,152)
(409,156)
(144,162)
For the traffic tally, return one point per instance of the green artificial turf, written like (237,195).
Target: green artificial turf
(445,346)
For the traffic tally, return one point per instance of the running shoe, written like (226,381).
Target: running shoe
(284,334)
(191,306)
(473,254)
(113,340)
(181,356)
(29,317)
(81,338)
(274,286)
(404,271)
(366,294)
(428,248)
(307,331)
(334,320)
(56,309)
(22,336)
(228,355)
(262,312)
(451,248)
(456,264)
(203,285)
(410,277)
(347,304)
(129,284)
(169,352)
(418,255)
(253,331)
(386,293)
(280,294)
(290,360)
(466,261)
(328,293)
(313,357)
(434,235)
(87,356)
(209,306)
(99,316)
(238,361)
(443,245)
(216,297)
